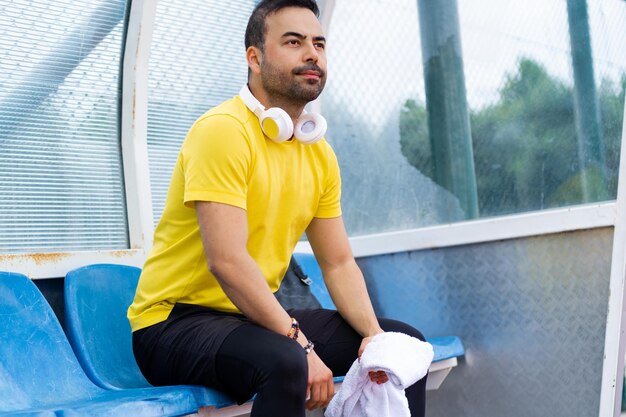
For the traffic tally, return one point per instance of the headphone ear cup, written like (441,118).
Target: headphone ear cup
(276,124)
(310,128)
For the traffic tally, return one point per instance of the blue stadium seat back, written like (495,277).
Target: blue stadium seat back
(310,267)
(96,300)
(37,365)
(40,375)
(445,347)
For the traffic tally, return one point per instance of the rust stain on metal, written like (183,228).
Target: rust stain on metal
(138,49)
(41,258)
(38,258)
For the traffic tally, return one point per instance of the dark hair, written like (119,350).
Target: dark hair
(255,31)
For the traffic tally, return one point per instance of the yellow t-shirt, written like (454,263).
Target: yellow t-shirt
(225,158)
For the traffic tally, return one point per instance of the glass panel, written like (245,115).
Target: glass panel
(531,314)
(197,61)
(61,180)
(446,111)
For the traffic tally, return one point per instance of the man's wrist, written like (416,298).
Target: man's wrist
(294,330)
(306,344)
(374,332)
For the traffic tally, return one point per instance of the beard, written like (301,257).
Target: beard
(288,87)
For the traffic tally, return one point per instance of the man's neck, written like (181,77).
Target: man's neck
(293,109)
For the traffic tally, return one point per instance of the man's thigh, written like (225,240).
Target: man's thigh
(182,349)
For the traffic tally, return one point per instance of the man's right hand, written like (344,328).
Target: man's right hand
(321,387)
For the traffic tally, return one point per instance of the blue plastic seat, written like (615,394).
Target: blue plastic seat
(40,375)
(96,300)
(446,347)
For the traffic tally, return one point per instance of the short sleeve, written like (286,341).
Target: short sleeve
(216,162)
(330,201)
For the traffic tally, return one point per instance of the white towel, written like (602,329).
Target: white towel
(405,359)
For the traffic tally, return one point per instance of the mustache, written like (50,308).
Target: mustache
(309,67)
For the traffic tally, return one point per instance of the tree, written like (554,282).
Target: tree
(525,144)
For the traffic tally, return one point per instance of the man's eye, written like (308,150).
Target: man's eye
(320,45)
(293,42)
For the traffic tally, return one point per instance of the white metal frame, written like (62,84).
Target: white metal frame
(566,219)
(135,123)
(140,218)
(615,341)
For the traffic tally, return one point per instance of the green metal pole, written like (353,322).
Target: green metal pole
(446,101)
(587,109)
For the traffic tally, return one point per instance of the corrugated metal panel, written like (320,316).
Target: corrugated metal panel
(61,178)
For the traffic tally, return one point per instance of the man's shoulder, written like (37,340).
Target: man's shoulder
(325,148)
(232,110)
(230,119)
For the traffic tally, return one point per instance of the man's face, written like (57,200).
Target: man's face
(293,65)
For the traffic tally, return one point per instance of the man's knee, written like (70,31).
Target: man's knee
(389,325)
(293,360)
(290,364)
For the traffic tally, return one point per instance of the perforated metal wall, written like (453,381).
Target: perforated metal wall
(531,313)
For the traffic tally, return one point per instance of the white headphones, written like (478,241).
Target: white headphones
(277,124)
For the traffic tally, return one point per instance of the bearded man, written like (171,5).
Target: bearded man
(253,175)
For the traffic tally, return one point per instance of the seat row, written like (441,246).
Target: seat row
(89,370)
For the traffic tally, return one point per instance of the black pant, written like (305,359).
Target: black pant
(251,359)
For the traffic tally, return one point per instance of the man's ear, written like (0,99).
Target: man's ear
(254,57)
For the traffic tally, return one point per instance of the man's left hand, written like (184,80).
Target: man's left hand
(378,377)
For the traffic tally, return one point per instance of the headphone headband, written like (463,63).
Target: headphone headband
(251,102)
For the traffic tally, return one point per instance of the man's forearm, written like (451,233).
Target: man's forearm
(244,284)
(347,288)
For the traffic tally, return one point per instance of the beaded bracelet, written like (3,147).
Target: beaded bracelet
(309,347)
(294,331)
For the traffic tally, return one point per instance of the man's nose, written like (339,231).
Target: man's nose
(311,53)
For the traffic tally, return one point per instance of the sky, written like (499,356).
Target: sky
(375,54)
